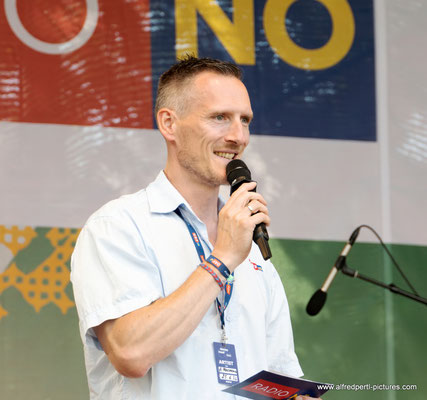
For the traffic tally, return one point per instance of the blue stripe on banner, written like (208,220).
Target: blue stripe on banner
(336,101)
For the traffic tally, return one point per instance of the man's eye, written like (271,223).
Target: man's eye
(219,117)
(245,120)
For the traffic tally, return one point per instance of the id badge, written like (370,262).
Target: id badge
(226,363)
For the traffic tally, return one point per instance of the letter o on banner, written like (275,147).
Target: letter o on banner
(75,43)
(339,44)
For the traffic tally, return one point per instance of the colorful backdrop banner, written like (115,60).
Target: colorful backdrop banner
(340,135)
(94,62)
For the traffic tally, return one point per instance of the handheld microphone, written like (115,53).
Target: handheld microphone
(237,174)
(319,297)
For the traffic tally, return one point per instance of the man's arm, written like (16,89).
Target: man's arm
(136,341)
(139,339)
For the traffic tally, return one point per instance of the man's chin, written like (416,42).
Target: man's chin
(218,183)
(218,180)
(216,177)
(222,179)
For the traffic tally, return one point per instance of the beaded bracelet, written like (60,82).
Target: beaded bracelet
(214,275)
(222,268)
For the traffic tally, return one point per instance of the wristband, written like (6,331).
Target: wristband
(214,275)
(222,268)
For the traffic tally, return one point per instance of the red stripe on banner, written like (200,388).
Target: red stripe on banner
(106,81)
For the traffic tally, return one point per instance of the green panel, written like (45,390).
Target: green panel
(357,338)
(41,353)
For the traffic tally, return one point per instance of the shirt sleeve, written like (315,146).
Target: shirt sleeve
(280,343)
(112,272)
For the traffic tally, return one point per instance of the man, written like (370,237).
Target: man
(145,295)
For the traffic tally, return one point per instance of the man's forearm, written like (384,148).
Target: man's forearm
(138,340)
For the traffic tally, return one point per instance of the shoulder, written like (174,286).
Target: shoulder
(124,207)
(116,223)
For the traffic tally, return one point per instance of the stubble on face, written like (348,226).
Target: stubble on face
(196,101)
(191,162)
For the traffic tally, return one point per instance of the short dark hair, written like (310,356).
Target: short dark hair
(185,69)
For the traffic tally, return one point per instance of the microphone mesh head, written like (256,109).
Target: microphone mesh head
(236,169)
(316,303)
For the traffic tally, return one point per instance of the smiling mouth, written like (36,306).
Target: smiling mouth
(228,156)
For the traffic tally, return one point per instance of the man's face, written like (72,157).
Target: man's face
(213,128)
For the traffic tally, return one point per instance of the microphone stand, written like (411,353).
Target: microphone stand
(392,287)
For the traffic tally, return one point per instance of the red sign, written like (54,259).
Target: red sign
(270,389)
(78,62)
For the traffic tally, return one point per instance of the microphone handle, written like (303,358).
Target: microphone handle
(339,263)
(329,279)
(260,236)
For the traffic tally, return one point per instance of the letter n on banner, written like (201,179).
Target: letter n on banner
(237,37)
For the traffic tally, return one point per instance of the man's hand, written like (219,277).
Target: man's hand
(236,223)
(306,398)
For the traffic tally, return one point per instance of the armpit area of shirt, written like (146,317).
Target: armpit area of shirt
(105,313)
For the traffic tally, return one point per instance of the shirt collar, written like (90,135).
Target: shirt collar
(164,198)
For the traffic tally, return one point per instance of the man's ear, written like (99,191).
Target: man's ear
(166,122)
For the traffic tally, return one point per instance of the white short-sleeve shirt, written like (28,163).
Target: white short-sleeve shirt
(135,250)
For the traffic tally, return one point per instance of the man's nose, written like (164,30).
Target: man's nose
(238,132)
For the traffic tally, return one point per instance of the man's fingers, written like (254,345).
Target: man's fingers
(260,218)
(243,194)
(255,206)
(245,187)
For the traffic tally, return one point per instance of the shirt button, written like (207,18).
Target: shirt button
(229,318)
